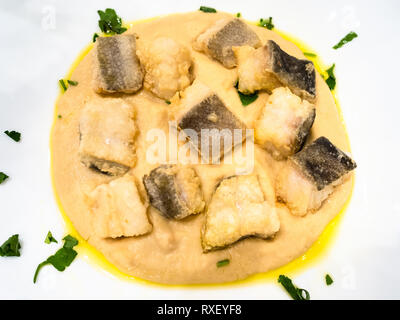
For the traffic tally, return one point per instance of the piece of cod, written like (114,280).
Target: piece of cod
(270,67)
(175,191)
(217,41)
(284,124)
(238,210)
(311,175)
(168,67)
(117,209)
(107,132)
(116,68)
(210,126)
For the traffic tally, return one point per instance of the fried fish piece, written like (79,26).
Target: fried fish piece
(238,210)
(284,124)
(117,209)
(217,129)
(107,132)
(218,40)
(270,67)
(168,67)
(116,66)
(311,175)
(175,191)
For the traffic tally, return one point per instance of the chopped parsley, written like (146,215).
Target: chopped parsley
(16,136)
(3,177)
(59,116)
(95,36)
(62,258)
(331,80)
(266,23)
(238,15)
(294,292)
(63,85)
(309,54)
(328,280)
(49,238)
(167,102)
(70,242)
(72,82)
(246,99)
(349,37)
(110,22)
(223,263)
(207,9)
(11,247)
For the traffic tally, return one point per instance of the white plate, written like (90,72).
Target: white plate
(42,39)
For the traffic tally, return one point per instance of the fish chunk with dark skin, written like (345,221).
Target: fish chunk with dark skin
(107,132)
(284,123)
(270,67)
(311,175)
(238,210)
(175,191)
(218,40)
(203,114)
(116,67)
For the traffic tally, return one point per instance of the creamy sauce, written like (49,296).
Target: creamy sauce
(172,252)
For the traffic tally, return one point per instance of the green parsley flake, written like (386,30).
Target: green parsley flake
(16,136)
(294,292)
(72,83)
(223,263)
(238,15)
(167,102)
(349,37)
(3,177)
(63,85)
(246,99)
(50,238)
(309,54)
(11,247)
(110,22)
(331,80)
(59,116)
(95,36)
(328,280)
(266,23)
(62,258)
(207,9)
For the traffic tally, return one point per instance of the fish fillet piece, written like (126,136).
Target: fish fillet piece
(202,114)
(270,67)
(116,66)
(218,40)
(168,67)
(107,133)
(238,210)
(117,209)
(311,175)
(284,123)
(175,191)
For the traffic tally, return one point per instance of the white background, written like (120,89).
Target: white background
(35,53)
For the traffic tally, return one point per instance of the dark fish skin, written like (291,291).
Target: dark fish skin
(106,167)
(304,131)
(234,33)
(297,74)
(119,66)
(323,163)
(163,193)
(197,119)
